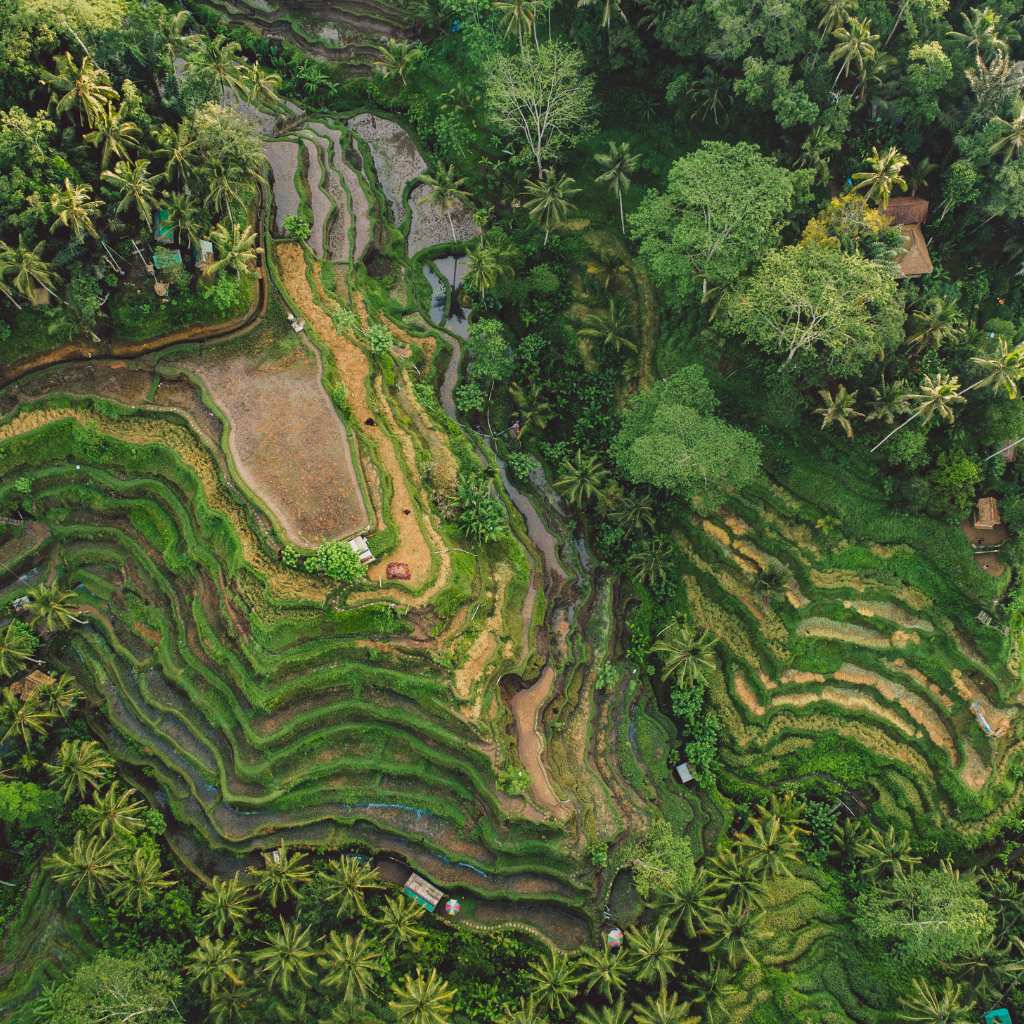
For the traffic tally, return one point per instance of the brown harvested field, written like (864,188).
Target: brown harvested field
(286,439)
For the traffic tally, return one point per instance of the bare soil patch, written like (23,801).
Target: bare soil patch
(283,157)
(286,440)
(395,157)
(430,225)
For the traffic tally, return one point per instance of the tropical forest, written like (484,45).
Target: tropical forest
(512,511)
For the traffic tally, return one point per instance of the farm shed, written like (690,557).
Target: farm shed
(908,213)
(986,515)
(26,686)
(425,894)
(362,549)
(683,772)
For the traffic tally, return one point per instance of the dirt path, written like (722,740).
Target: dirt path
(527,708)
(418,543)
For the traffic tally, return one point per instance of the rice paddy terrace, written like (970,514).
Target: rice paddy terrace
(254,703)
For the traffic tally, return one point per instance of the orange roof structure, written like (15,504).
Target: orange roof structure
(915,261)
(987,515)
(25,687)
(907,210)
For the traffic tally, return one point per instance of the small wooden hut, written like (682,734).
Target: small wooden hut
(986,515)
(25,687)
(419,889)
(908,213)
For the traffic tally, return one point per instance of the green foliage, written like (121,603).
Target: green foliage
(336,560)
(953,483)
(27,805)
(481,516)
(298,226)
(489,351)
(662,861)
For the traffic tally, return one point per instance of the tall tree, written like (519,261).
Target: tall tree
(75,209)
(399,922)
(52,609)
(396,58)
(137,187)
(554,981)
(27,267)
(583,479)
(346,883)
(138,876)
(83,88)
(547,200)
(604,969)
(947,1004)
(81,765)
(351,963)
(664,1008)
(838,408)
(610,328)
(422,998)
(236,250)
(226,904)
(855,49)
(447,191)
(654,954)
(284,958)
(115,813)
(216,964)
(282,875)
(89,862)
(619,163)
(884,176)
(686,652)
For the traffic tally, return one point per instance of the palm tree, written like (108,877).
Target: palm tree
(75,209)
(215,964)
(582,480)
(838,409)
(115,813)
(604,969)
(182,215)
(938,396)
(710,988)
(554,981)
(399,922)
(519,16)
(6,269)
(688,905)
(1003,369)
(855,48)
(686,652)
(610,328)
(937,322)
(609,10)
(346,883)
(654,954)
(113,134)
(236,248)
(225,904)
(885,851)
(52,608)
(981,32)
(709,94)
(482,268)
(547,200)
(664,1008)
(730,930)
(351,963)
(929,1005)
(634,512)
(281,875)
(138,877)
(396,58)
(889,401)
(85,88)
(422,999)
(446,190)
(613,1013)
(284,957)
(526,1013)
(619,164)
(883,177)
(220,61)
(649,561)
(29,269)
(731,877)
(533,410)
(835,14)
(1011,141)
(61,695)
(136,185)
(25,718)
(17,645)
(770,847)
(608,269)
(177,148)
(89,861)
(262,87)
(80,765)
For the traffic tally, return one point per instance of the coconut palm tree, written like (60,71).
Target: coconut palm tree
(399,922)
(24,718)
(770,847)
(482,268)
(138,877)
(664,1008)
(888,851)
(855,48)
(612,1013)
(889,401)
(619,163)
(81,765)
(226,904)
(687,905)
(216,964)
(114,134)
(730,930)
(61,695)
(445,190)
(583,479)
(519,16)
(608,269)
(284,957)
(686,652)
(281,875)
(609,9)
(938,322)
(610,328)
(422,998)
(709,94)
(236,249)
(710,988)
(1011,138)
(183,216)
(221,63)
(177,147)
(51,608)
(938,396)
(838,409)
(604,969)
(732,878)
(115,812)
(526,1013)
(884,176)
(6,271)
(929,1005)
(835,14)
(261,87)
(1003,369)
(75,209)
(547,200)
(137,187)
(351,963)
(554,981)
(346,883)
(981,32)
(90,862)
(653,953)
(396,58)
(27,267)
(17,645)
(84,88)
(649,561)
(533,410)
(634,512)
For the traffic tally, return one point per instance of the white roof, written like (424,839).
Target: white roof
(684,773)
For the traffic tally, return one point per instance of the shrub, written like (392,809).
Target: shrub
(469,397)
(521,464)
(953,483)
(336,560)
(481,517)
(514,780)
(380,340)
(298,226)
